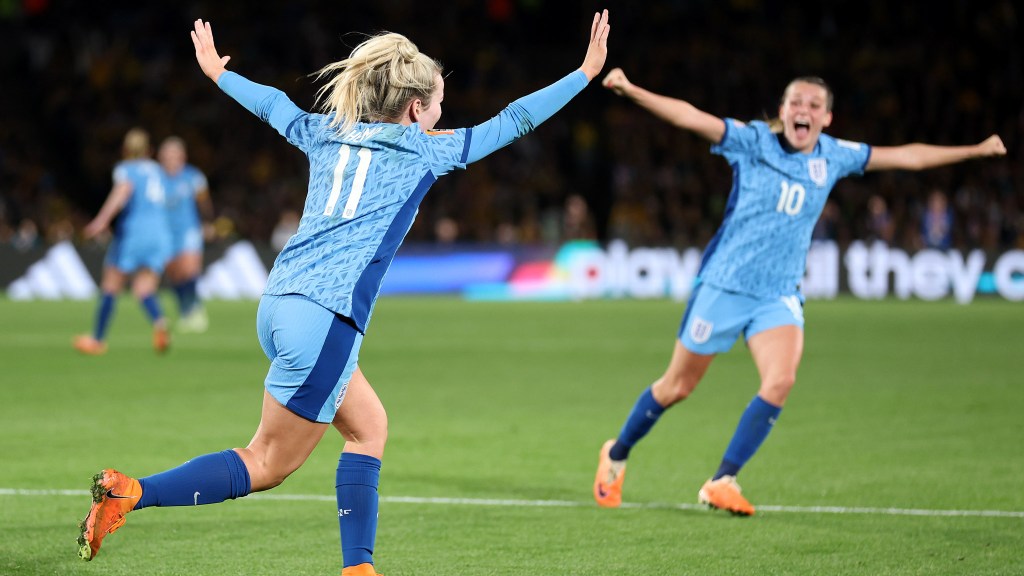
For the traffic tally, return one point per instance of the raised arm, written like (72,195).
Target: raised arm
(923,156)
(678,113)
(268,103)
(526,113)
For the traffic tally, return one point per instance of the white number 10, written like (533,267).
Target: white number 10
(791,199)
(364,155)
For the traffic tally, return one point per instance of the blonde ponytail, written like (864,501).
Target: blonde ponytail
(377,81)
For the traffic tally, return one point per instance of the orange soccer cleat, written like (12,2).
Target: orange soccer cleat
(608,481)
(161,339)
(725,494)
(364,569)
(113,496)
(88,345)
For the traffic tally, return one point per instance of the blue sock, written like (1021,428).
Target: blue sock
(202,480)
(754,426)
(152,307)
(187,296)
(103,315)
(357,480)
(645,413)
(179,293)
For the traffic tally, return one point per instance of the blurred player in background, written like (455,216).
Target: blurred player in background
(750,274)
(187,197)
(141,243)
(373,154)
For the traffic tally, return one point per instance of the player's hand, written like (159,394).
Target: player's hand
(213,64)
(597,50)
(93,229)
(616,81)
(992,146)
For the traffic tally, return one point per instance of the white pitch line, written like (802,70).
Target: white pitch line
(580,504)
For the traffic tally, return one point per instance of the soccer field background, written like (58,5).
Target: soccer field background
(899,451)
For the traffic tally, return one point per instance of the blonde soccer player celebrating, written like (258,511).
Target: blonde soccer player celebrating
(373,155)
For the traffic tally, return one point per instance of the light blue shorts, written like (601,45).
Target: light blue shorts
(715,318)
(147,252)
(313,353)
(188,240)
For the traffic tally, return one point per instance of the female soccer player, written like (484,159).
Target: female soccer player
(187,195)
(141,243)
(373,154)
(751,270)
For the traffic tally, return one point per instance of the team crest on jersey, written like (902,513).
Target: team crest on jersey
(817,169)
(700,330)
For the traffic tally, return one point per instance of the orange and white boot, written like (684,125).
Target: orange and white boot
(113,496)
(609,478)
(725,494)
(161,339)
(88,345)
(364,569)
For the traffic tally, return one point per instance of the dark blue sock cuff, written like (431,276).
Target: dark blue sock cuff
(650,403)
(152,307)
(240,482)
(762,407)
(358,469)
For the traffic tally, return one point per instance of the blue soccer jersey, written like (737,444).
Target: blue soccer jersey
(141,235)
(366,185)
(777,195)
(182,214)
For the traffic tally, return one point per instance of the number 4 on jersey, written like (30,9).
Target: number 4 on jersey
(358,182)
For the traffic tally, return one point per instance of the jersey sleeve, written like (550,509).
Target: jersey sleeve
(850,158)
(270,105)
(444,150)
(739,139)
(199,183)
(120,173)
(523,115)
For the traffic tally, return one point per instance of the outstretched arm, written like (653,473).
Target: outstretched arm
(678,113)
(528,112)
(268,103)
(115,201)
(924,156)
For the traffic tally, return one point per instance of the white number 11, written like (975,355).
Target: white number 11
(364,155)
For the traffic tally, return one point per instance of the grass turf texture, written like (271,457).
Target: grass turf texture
(906,405)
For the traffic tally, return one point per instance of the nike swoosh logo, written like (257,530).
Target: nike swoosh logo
(600,491)
(110,494)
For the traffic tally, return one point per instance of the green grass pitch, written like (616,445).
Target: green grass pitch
(900,451)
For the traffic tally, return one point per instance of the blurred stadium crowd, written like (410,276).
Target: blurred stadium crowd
(77,75)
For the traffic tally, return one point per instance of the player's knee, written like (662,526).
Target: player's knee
(775,390)
(672,389)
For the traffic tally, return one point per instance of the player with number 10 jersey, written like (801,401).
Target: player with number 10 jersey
(775,201)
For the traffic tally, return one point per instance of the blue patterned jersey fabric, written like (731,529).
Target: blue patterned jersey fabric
(145,214)
(366,185)
(777,195)
(182,189)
